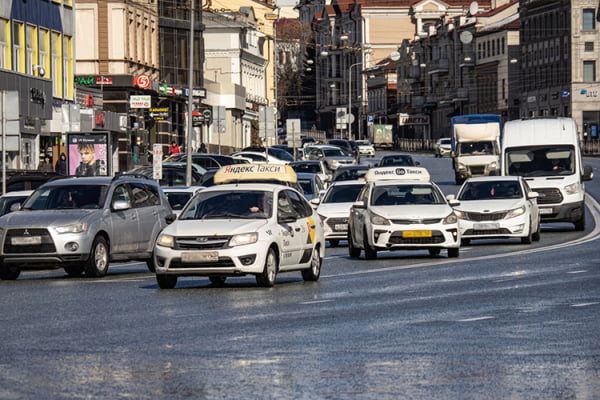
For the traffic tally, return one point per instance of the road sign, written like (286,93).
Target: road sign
(207,113)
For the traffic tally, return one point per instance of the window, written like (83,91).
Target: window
(44,50)
(31,46)
(4,44)
(68,77)
(589,46)
(589,19)
(589,71)
(57,73)
(18,47)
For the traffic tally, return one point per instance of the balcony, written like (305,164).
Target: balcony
(461,94)
(440,66)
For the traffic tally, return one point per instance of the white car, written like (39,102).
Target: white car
(334,209)
(493,207)
(258,157)
(401,209)
(365,148)
(231,230)
(178,196)
(443,147)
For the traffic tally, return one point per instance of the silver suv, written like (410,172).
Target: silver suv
(82,224)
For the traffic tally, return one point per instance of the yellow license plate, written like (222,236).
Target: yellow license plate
(416,234)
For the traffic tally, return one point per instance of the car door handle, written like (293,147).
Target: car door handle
(298,229)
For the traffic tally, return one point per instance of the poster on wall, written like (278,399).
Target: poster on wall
(88,154)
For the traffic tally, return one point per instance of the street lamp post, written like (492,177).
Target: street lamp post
(350,99)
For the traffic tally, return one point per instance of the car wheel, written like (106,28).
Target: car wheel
(536,234)
(528,239)
(267,277)
(166,281)
(434,252)
(97,263)
(151,264)
(312,274)
(9,272)
(74,270)
(354,252)
(217,280)
(334,242)
(580,223)
(370,252)
(453,252)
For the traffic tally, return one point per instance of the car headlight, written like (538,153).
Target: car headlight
(72,228)
(450,219)
(460,214)
(516,212)
(461,166)
(243,238)
(379,220)
(166,240)
(571,189)
(493,164)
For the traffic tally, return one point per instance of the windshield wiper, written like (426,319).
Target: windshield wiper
(217,216)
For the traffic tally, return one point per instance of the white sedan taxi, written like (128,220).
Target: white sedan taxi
(498,207)
(401,209)
(334,209)
(230,230)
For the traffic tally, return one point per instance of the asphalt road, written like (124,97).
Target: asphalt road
(503,321)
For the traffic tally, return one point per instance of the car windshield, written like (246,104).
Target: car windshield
(312,168)
(247,204)
(67,197)
(406,195)
(177,200)
(478,148)
(541,161)
(490,190)
(446,141)
(342,194)
(404,161)
(363,143)
(307,186)
(334,153)
(350,174)
(281,154)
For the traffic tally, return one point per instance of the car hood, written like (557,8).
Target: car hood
(44,218)
(334,209)
(213,227)
(488,206)
(477,159)
(340,158)
(411,211)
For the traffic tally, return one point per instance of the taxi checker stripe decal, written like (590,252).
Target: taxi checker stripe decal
(310,224)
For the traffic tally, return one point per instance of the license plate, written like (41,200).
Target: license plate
(340,227)
(485,226)
(207,256)
(546,211)
(416,234)
(26,240)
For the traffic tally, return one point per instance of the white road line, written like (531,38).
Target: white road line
(476,319)
(316,301)
(584,304)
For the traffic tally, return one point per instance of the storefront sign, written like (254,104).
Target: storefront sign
(140,101)
(407,119)
(143,82)
(159,114)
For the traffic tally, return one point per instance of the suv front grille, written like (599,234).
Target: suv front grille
(428,221)
(477,170)
(201,242)
(332,222)
(548,195)
(46,245)
(475,216)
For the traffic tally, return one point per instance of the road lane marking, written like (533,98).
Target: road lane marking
(585,304)
(475,319)
(316,301)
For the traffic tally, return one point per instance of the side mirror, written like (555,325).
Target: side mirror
(588,173)
(533,195)
(170,218)
(359,204)
(417,163)
(316,200)
(15,207)
(121,205)
(452,200)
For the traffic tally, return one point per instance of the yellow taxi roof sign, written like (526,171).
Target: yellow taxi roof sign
(397,173)
(255,172)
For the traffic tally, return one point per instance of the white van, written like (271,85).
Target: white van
(547,154)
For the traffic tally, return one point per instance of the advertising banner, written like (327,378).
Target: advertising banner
(88,154)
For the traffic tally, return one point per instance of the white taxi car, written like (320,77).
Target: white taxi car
(237,229)
(401,209)
(334,209)
(498,207)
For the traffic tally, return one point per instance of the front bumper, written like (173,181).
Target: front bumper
(414,237)
(568,212)
(235,261)
(335,228)
(495,229)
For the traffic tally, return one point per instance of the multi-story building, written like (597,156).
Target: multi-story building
(36,72)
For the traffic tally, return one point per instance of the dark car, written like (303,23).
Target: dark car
(208,161)
(171,175)
(350,173)
(28,180)
(399,160)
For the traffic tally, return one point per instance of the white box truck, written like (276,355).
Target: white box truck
(547,153)
(382,137)
(475,145)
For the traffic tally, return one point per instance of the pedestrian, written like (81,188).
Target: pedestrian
(174,149)
(61,164)
(46,164)
(202,148)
